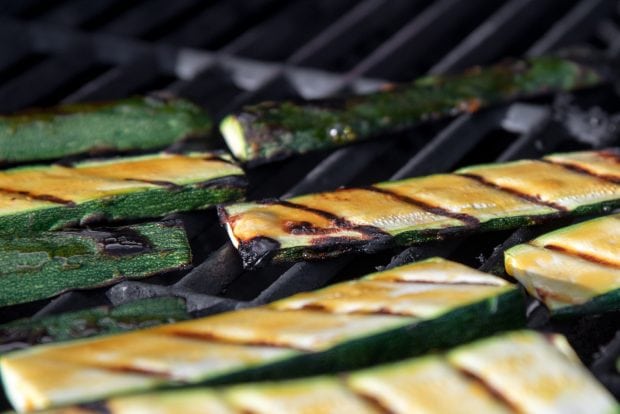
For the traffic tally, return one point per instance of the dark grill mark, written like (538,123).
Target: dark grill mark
(585,256)
(524,196)
(583,171)
(493,391)
(469,220)
(369,399)
(159,183)
(208,337)
(41,197)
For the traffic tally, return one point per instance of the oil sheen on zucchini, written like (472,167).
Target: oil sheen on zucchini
(382,317)
(38,198)
(49,263)
(414,210)
(91,322)
(573,270)
(133,124)
(271,130)
(517,372)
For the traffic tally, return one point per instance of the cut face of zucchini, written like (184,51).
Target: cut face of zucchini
(572,270)
(90,322)
(365,220)
(271,130)
(140,123)
(52,197)
(46,264)
(518,372)
(304,334)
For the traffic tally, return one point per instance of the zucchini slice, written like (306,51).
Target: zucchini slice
(364,220)
(91,322)
(518,372)
(573,270)
(272,130)
(39,198)
(50,263)
(382,317)
(134,124)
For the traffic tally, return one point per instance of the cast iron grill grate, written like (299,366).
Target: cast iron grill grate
(226,53)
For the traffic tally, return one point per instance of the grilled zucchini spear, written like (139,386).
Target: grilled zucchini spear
(384,316)
(52,197)
(574,270)
(517,372)
(485,197)
(49,263)
(90,322)
(279,129)
(139,123)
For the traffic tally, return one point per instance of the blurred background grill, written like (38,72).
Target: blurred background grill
(227,53)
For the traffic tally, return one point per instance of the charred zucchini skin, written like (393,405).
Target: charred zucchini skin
(421,209)
(91,322)
(271,130)
(47,264)
(134,124)
(154,198)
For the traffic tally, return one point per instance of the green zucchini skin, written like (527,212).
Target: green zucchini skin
(133,124)
(272,130)
(92,322)
(47,264)
(59,208)
(385,316)
(421,209)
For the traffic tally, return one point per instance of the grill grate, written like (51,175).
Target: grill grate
(224,54)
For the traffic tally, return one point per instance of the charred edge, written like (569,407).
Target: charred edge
(257,251)
(524,196)
(494,392)
(219,159)
(612,154)
(467,219)
(208,337)
(159,183)
(230,181)
(374,402)
(98,407)
(42,197)
(583,171)
(122,242)
(581,255)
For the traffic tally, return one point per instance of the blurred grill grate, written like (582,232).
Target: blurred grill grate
(224,54)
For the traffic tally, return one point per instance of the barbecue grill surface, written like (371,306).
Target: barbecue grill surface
(227,53)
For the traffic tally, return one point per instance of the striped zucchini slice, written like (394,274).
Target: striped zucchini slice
(518,372)
(91,322)
(484,197)
(50,263)
(271,130)
(51,197)
(301,335)
(572,270)
(139,123)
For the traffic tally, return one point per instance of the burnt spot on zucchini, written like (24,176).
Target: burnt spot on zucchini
(421,209)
